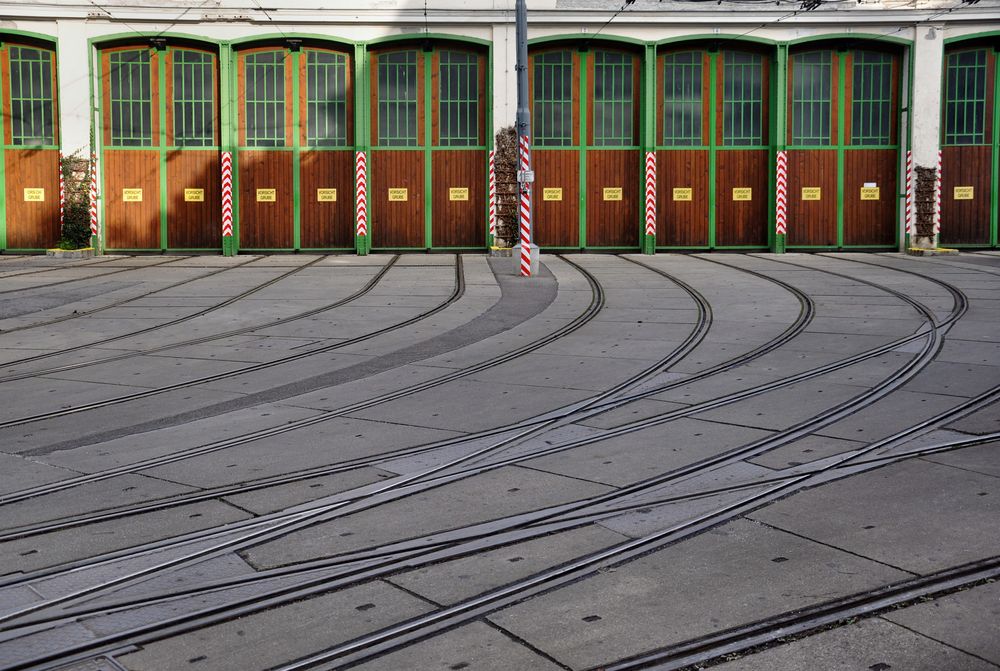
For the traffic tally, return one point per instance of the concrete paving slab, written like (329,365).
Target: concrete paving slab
(687,590)
(492,495)
(804,451)
(890,415)
(563,372)
(123,490)
(632,412)
(471,405)
(473,647)
(836,343)
(958,379)
(919,516)
(148,372)
(982,422)
(19,472)
(965,620)
(869,644)
(710,388)
(32,646)
(365,388)
(280,497)
(288,373)
(968,351)
(32,396)
(644,454)
(59,547)
(453,581)
(983,459)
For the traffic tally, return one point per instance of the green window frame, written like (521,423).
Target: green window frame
(264,78)
(614,104)
(552,113)
(812,98)
(683,105)
(194,98)
(742,99)
(326,99)
(131,85)
(458,99)
(32,104)
(871,105)
(397,99)
(965,98)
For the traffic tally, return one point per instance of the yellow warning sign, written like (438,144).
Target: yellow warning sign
(326,195)
(458,193)
(743,193)
(194,195)
(399,195)
(551,194)
(683,194)
(34,195)
(812,193)
(132,195)
(869,193)
(267,195)
(612,193)
(965,192)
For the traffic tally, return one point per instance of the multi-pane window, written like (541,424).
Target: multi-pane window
(552,116)
(871,108)
(31,101)
(812,90)
(965,98)
(459,99)
(194,93)
(613,105)
(130,75)
(682,99)
(264,73)
(397,99)
(742,99)
(326,99)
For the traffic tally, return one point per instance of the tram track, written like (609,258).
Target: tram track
(125,301)
(89,277)
(38,271)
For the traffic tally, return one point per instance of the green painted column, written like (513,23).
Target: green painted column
(3,176)
(296,55)
(428,155)
(780,133)
(584,92)
(841,90)
(161,64)
(713,178)
(362,135)
(226,97)
(995,189)
(648,143)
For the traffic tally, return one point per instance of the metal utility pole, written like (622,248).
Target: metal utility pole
(525,176)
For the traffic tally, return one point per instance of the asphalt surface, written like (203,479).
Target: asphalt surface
(426,462)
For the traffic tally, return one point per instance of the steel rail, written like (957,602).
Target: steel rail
(89,277)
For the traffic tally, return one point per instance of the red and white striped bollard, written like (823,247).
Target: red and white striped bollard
(651,193)
(493,195)
(227,194)
(361,202)
(781,195)
(525,209)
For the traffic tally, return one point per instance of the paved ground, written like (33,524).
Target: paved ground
(423,462)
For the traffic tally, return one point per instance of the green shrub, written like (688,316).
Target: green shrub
(76,212)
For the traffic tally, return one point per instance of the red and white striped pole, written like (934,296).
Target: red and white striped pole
(361,200)
(62,193)
(93,195)
(781,195)
(908,223)
(651,193)
(937,200)
(493,195)
(227,198)
(525,209)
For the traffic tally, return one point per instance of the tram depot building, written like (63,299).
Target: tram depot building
(235,126)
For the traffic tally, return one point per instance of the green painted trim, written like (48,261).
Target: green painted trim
(161,64)
(587,39)
(830,248)
(279,39)
(842,105)
(647,121)
(428,137)
(232,56)
(3,173)
(226,97)
(101,163)
(779,130)
(713,161)
(865,37)
(490,139)
(716,37)
(136,36)
(762,248)
(417,37)
(969,38)
(296,151)
(31,147)
(584,94)
(41,37)
(362,119)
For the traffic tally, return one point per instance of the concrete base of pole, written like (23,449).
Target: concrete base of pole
(534,259)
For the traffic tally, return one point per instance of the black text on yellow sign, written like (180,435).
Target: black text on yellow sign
(683,194)
(869,193)
(458,193)
(964,193)
(612,193)
(132,195)
(267,195)
(743,193)
(34,195)
(552,194)
(194,195)
(399,195)
(812,193)
(326,195)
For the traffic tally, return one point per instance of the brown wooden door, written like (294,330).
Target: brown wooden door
(31,161)
(266,155)
(969,147)
(131,136)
